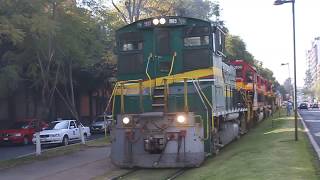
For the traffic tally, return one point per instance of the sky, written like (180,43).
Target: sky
(267,31)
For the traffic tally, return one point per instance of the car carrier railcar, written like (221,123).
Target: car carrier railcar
(175,101)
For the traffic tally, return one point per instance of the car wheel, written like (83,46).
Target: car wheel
(25,140)
(65,141)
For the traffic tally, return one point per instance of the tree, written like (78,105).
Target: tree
(283,91)
(12,36)
(201,9)
(132,10)
(308,89)
(46,42)
(236,49)
(81,45)
(289,88)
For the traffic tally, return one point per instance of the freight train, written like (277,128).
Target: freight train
(176,101)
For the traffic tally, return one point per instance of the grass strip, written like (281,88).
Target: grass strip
(101,142)
(266,152)
(55,152)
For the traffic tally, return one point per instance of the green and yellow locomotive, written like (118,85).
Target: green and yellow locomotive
(175,101)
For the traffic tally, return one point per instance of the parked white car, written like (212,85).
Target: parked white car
(62,132)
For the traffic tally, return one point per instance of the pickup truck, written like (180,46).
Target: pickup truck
(62,132)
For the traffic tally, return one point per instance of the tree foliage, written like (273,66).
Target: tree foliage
(236,49)
(133,10)
(45,42)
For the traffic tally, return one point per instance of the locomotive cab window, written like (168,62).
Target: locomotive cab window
(249,76)
(130,46)
(238,71)
(196,41)
(196,36)
(130,41)
(196,53)
(219,41)
(130,57)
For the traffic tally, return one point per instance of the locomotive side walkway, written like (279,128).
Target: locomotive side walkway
(266,152)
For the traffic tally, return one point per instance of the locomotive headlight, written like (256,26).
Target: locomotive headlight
(155,21)
(162,20)
(181,119)
(125,120)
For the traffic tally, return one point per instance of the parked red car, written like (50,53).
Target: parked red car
(21,132)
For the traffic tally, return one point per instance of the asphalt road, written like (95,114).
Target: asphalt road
(311,118)
(81,165)
(14,151)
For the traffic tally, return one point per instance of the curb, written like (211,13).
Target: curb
(59,147)
(313,142)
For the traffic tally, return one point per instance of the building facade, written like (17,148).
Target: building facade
(313,64)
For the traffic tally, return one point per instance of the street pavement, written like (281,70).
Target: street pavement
(82,165)
(15,151)
(311,118)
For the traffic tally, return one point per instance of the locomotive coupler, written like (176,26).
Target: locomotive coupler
(154,144)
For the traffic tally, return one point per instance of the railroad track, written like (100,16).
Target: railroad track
(161,174)
(178,173)
(124,175)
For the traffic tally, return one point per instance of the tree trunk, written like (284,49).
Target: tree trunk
(90,106)
(27,104)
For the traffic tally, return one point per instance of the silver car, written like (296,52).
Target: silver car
(101,123)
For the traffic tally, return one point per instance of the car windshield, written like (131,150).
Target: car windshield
(58,125)
(99,119)
(20,125)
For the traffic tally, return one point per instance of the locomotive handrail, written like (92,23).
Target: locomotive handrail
(198,91)
(116,86)
(172,62)
(110,99)
(211,106)
(147,68)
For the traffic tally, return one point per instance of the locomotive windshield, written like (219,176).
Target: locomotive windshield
(238,71)
(130,46)
(196,41)
(249,76)
(196,36)
(196,54)
(131,41)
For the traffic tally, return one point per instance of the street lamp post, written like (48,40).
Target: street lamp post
(280,2)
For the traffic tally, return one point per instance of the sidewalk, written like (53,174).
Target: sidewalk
(266,152)
(82,165)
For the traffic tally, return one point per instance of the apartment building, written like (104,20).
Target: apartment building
(313,57)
